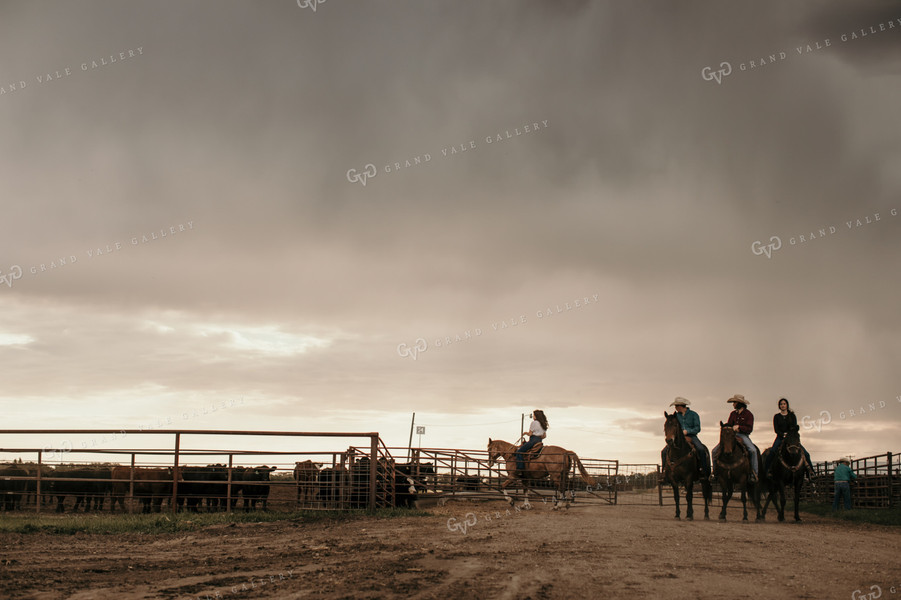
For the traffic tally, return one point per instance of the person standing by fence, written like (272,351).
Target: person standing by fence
(843,477)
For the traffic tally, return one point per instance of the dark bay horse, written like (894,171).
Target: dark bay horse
(554,462)
(788,468)
(684,464)
(733,467)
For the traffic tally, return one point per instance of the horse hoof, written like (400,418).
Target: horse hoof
(781,519)
(678,518)
(689,518)
(722,519)
(797,520)
(706,517)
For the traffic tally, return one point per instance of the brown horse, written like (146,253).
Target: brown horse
(684,466)
(733,466)
(554,462)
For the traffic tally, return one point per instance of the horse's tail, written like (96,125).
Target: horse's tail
(585,476)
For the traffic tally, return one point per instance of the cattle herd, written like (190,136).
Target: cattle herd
(208,487)
(89,486)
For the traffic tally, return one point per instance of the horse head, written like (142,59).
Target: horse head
(791,444)
(727,438)
(493,452)
(672,431)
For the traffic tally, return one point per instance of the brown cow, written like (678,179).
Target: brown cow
(306,474)
(150,484)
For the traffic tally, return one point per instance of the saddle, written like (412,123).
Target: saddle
(534,452)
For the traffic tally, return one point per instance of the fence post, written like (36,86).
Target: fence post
(891,489)
(37,492)
(175,475)
(373,459)
(616,484)
(659,487)
(131,485)
(228,492)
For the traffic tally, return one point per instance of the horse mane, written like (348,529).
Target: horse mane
(679,437)
(727,439)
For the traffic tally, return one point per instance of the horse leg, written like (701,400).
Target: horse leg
(707,492)
(744,503)
(799,481)
(525,503)
(780,503)
(727,495)
(507,496)
(689,498)
(676,498)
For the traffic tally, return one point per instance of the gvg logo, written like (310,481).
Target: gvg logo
(404,351)
(875,592)
(15,272)
(454,525)
(758,248)
(708,74)
(369,171)
(313,4)
(808,423)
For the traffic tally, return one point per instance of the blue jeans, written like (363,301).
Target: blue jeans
(842,489)
(520,460)
(752,451)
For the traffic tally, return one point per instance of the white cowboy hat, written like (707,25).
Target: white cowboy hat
(844,460)
(738,398)
(680,400)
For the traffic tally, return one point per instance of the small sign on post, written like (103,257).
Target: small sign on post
(420,429)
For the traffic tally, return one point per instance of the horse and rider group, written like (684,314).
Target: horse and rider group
(736,459)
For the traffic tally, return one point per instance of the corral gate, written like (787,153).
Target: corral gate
(444,473)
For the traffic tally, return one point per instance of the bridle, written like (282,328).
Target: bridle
(784,449)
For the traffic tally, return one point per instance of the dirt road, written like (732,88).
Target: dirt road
(466,551)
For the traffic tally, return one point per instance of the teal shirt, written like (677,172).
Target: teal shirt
(690,421)
(844,473)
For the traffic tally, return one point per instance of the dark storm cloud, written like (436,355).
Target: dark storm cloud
(647,187)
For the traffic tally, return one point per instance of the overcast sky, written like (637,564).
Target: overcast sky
(604,201)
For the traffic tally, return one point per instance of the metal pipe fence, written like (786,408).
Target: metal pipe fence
(37,480)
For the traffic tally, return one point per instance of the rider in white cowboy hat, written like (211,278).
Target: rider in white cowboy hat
(690,423)
(742,422)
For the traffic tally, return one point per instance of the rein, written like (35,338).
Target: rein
(802,460)
(678,442)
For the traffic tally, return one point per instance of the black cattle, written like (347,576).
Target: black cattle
(255,486)
(151,485)
(328,489)
(469,483)
(31,486)
(203,483)
(406,490)
(11,490)
(73,484)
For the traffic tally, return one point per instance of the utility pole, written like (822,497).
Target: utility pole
(410,443)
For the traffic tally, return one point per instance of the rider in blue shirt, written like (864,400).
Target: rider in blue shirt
(690,423)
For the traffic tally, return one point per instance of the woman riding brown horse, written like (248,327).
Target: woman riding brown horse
(554,462)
